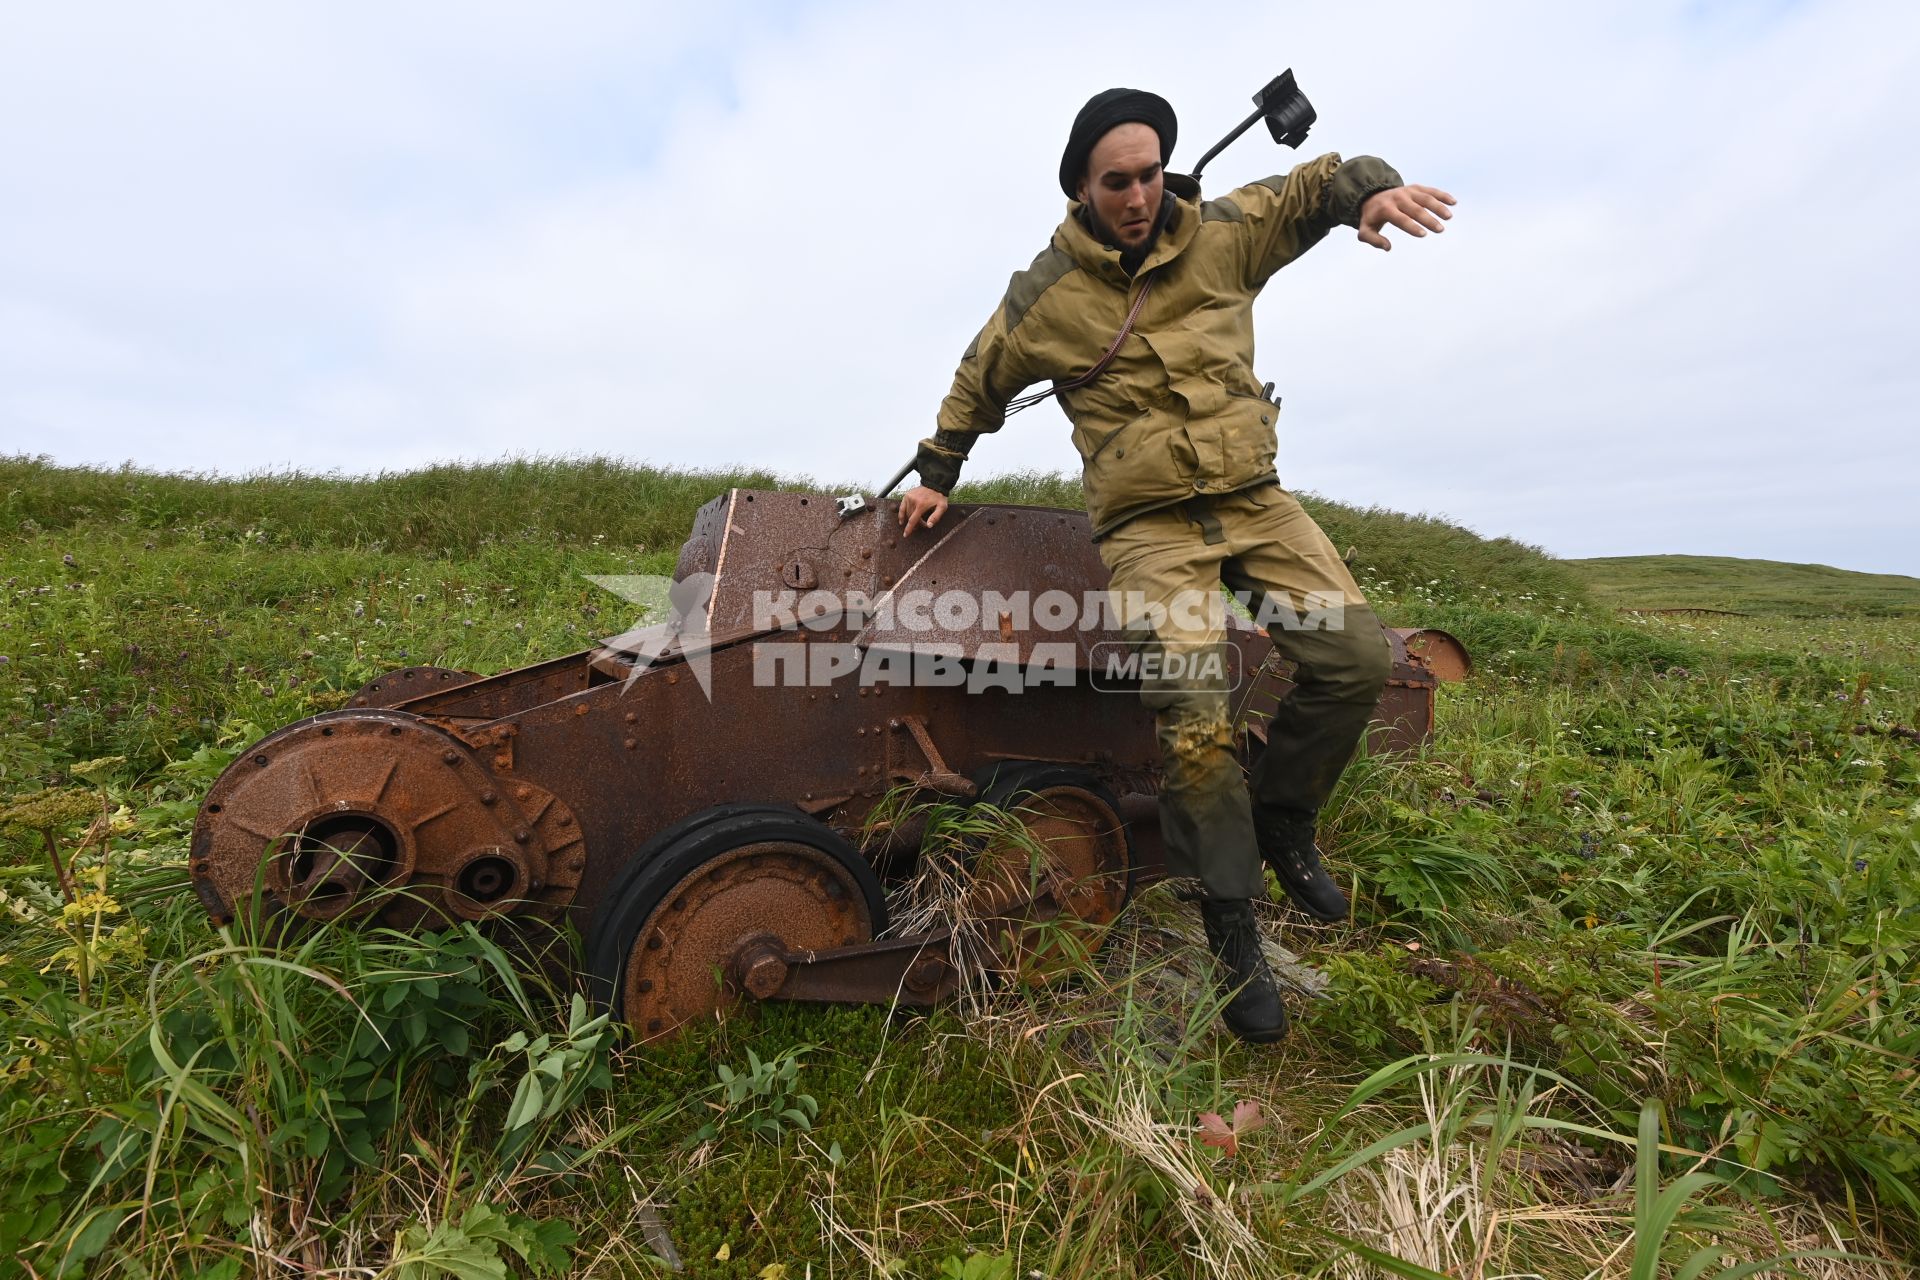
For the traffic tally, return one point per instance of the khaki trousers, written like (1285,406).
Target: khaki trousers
(1168,567)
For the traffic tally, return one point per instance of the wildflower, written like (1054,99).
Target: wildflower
(92,769)
(1859,864)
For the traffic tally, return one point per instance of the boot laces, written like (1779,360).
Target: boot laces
(1236,940)
(1298,852)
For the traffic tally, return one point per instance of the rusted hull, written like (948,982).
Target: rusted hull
(548,779)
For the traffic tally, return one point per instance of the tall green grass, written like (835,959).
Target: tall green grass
(1630,987)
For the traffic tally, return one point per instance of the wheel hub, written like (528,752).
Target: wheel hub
(334,814)
(720,931)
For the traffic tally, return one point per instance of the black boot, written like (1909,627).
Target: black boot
(1254,1011)
(1286,843)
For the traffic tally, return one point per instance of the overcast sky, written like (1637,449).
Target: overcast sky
(1675,313)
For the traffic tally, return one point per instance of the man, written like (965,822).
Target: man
(1177,438)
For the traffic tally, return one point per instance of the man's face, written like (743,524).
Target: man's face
(1124,182)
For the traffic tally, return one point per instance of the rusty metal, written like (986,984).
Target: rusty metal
(379,813)
(533,791)
(1059,885)
(1438,651)
(738,915)
(396,687)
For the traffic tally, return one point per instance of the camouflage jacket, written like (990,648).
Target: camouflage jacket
(1179,411)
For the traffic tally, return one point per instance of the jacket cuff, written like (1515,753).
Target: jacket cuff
(1352,183)
(938,470)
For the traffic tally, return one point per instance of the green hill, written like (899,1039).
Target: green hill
(1745,586)
(1654,883)
(456,509)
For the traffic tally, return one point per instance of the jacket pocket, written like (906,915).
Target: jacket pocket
(1249,438)
(1100,444)
(1135,463)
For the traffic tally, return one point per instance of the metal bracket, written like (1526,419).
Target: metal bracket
(938,776)
(908,971)
(853,504)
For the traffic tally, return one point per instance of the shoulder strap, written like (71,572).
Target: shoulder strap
(1133,314)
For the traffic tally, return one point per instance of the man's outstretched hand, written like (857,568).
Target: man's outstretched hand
(921,506)
(1414,209)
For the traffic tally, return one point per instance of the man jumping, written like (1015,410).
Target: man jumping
(1177,437)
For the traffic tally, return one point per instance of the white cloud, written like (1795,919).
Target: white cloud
(1669,317)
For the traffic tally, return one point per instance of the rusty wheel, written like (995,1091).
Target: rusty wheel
(379,813)
(1075,865)
(681,922)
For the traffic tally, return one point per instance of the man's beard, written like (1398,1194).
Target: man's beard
(1131,256)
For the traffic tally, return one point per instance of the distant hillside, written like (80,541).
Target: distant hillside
(454,509)
(1745,586)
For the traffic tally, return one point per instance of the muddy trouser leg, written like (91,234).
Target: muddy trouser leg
(1166,581)
(1316,617)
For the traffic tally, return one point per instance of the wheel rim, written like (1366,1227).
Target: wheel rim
(1082,880)
(680,967)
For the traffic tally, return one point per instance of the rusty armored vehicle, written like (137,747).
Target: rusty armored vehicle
(696,796)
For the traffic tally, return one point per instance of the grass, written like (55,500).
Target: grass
(1746,586)
(1630,988)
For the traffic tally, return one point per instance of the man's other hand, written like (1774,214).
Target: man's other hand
(1414,209)
(922,506)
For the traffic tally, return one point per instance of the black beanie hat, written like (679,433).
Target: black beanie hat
(1102,112)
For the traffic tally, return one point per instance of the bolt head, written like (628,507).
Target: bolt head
(764,975)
